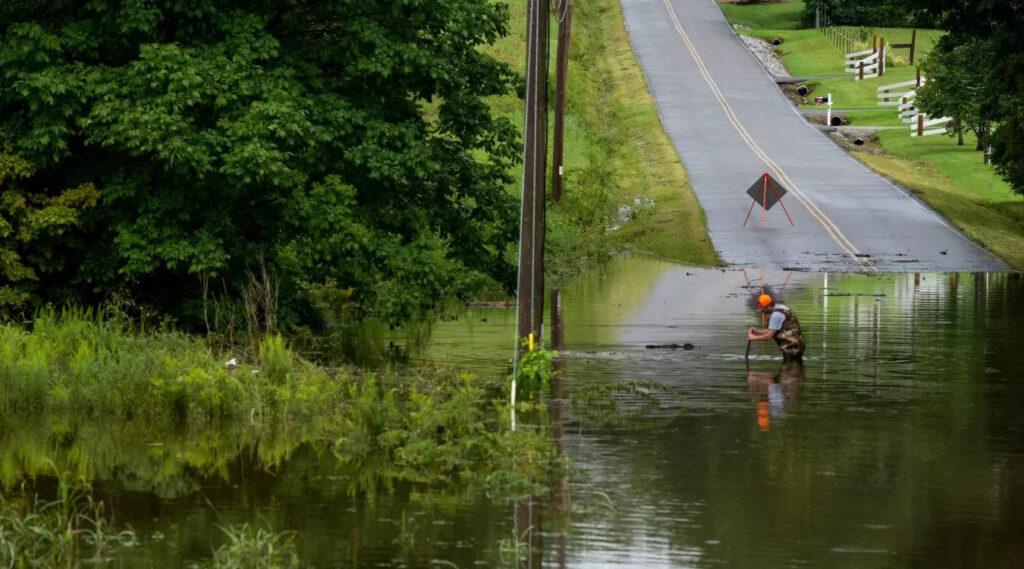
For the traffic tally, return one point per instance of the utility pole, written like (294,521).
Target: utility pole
(564,11)
(531,232)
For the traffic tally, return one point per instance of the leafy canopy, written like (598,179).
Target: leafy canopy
(147,143)
(982,56)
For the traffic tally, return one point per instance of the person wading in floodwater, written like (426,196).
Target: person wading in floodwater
(783,327)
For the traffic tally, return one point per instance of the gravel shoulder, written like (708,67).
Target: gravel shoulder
(765,53)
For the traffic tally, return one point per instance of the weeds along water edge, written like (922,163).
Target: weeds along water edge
(92,373)
(103,399)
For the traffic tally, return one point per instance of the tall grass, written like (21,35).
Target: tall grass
(250,547)
(68,531)
(426,424)
(94,363)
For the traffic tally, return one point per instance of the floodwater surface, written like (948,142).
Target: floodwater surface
(898,443)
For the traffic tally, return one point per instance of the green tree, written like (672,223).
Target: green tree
(956,87)
(998,25)
(344,141)
(883,13)
(31,226)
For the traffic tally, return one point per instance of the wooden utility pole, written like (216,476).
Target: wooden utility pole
(564,10)
(531,231)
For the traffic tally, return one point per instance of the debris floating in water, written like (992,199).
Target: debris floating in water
(686,346)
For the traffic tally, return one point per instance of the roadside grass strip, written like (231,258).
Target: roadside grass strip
(616,152)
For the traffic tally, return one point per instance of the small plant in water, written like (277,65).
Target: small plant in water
(536,368)
(66,532)
(249,547)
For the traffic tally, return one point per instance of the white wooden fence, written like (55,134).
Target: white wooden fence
(866,64)
(894,95)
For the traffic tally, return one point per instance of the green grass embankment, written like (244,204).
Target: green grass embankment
(774,16)
(950,178)
(953,180)
(615,151)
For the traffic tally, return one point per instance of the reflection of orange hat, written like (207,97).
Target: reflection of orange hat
(764,300)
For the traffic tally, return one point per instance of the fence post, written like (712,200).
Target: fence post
(920,124)
(862,69)
(886,99)
(913,44)
(874,44)
(881,57)
(918,77)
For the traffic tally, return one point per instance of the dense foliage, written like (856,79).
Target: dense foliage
(877,13)
(983,55)
(164,147)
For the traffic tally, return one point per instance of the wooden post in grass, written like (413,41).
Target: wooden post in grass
(920,124)
(886,99)
(881,57)
(861,71)
(874,44)
(913,44)
(918,77)
(959,131)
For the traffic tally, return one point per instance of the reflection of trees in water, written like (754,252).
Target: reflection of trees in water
(138,457)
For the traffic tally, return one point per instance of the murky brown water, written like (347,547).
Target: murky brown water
(899,443)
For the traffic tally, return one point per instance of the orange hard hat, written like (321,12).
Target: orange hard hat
(764,300)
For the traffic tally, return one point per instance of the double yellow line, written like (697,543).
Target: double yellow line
(829,225)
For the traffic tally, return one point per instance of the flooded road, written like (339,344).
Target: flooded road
(898,443)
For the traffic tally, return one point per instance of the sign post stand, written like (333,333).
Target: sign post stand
(759,193)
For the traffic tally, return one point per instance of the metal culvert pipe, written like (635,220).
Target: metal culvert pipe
(777,41)
(802,90)
(858,142)
(837,121)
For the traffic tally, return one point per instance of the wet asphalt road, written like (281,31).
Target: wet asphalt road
(730,124)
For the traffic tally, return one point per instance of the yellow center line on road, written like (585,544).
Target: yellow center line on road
(816,212)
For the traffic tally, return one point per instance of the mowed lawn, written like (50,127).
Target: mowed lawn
(954,181)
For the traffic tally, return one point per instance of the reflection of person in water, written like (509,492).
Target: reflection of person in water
(774,392)
(783,327)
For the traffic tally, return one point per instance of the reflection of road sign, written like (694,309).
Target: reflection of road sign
(767,192)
